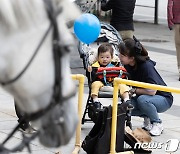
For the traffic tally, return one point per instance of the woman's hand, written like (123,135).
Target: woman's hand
(132,92)
(143,91)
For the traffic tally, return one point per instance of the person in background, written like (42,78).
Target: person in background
(147,102)
(173,16)
(122,15)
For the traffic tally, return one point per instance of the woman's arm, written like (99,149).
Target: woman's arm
(143,91)
(148,74)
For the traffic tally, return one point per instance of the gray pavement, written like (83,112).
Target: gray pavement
(160,44)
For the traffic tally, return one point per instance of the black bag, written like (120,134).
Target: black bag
(93,110)
(99,138)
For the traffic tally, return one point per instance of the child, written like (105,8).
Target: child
(105,56)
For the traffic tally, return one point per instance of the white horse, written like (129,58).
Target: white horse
(23,24)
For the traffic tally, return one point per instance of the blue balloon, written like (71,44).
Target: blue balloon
(87,28)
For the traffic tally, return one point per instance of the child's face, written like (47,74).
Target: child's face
(105,58)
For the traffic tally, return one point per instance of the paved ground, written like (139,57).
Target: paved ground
(159,41)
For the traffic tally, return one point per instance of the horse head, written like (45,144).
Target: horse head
(34,64)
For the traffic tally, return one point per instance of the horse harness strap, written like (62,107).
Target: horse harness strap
(58,51)
(57,97)
(5,83)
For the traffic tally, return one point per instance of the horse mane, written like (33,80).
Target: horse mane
(19,14)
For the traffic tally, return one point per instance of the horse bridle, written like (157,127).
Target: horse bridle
(57,98)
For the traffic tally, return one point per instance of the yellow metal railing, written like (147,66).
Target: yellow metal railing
(118,81)
(81,79)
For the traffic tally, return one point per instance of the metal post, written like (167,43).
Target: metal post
(81,79)
(156,12)
(118,81)
(147,85)
(114,121)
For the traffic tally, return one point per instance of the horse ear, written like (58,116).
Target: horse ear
(67,12)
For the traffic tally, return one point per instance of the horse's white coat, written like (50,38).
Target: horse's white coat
(22,26)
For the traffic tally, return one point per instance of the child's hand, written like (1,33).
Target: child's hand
(89,69)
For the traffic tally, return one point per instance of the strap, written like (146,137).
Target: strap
(120,73)
(104,75)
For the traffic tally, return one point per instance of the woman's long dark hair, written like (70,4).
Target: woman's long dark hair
(133,48)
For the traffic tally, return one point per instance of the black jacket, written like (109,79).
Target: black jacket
(146,72)
(122,13)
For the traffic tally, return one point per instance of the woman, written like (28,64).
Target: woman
(147,103)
